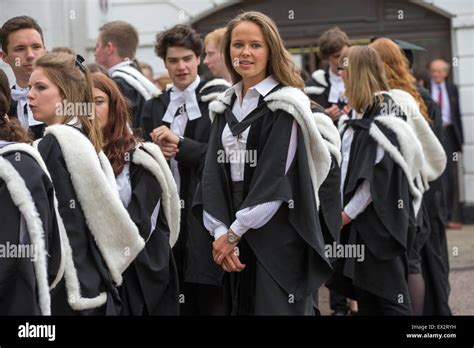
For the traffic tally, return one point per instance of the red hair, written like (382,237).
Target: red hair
(117,133)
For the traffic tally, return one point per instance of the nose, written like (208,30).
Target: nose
(30,94)
(246,50)
(181,65)
(30,53)
(206,59)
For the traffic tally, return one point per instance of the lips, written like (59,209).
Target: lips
(245,64)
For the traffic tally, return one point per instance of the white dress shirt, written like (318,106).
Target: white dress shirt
(124,186)
(178,123)
(337,87)
(256,216)
(446,107)
(362,197)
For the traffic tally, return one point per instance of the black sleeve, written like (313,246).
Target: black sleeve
(134,97)
(191,152)
(146,119)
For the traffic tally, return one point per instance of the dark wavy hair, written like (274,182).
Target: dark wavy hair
(117,134)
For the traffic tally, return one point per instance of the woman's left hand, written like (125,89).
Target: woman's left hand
(221,248)
(345,218)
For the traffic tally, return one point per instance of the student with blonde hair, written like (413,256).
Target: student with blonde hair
(214,58)
(265,162)
(100,239)
(430,231)
(381,161)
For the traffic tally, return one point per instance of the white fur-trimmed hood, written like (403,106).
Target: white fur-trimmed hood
(153,160)
(115,234)
(22,198)
(435,156)
(297,104)
(330,134)
(139,82)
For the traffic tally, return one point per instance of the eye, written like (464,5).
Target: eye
(37,47)
(256,45)
(237,45)
(187,59)
(19,49)
(40,87)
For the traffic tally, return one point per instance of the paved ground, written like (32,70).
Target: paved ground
(461,258)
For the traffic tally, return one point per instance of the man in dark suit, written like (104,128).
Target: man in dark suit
(22,43)
(447,96)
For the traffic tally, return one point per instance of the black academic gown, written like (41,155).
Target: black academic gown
(434,253)
(285,257)
(150,283)
(134,97)
(91,268)
(193,250)
(386,227)
(18,282)
(320,98)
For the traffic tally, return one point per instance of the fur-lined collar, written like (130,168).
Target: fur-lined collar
(320,77)
(435,156)
(139,82)
(330,134)
(297,104)
(152,159)
(115,234)
(22,198)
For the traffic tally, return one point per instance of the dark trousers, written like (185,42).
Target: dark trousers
(370,304)
(451,175)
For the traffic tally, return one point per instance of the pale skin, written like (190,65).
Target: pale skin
(215,61)
(43,96)
(101,100)
(182,65)
(439,70)
(334,112)
(24,47)
(106,53)
(250,50)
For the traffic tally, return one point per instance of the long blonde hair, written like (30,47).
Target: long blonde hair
(280,65)
(75,86)
(397,70)
(365,77)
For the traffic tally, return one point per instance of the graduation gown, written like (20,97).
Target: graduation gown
(193,251)
(386,228)
(287,253)
(93,218)
(434,253)
(27,199)
(150,285)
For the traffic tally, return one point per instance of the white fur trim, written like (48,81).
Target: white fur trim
(341,122)
(330,134)
(22,198)
(215,82)
(314,90)
(66,268)
(319,76)
(139,82)
(409,158)
(33,152)
(115,234)
(210,97)
(108,172)
(297,104)
(153,160)
(435,156)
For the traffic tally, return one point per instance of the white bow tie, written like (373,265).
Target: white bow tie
(177,99)
(19,94)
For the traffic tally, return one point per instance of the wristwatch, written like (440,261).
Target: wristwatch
(180,141)
(232,237)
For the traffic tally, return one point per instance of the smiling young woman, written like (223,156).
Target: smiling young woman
(259,205)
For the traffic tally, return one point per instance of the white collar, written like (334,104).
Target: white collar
(179,97)
(442,84)
(263,87)
(334,77)
(119,65)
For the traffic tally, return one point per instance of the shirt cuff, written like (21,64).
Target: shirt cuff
(219,231)
(238,228)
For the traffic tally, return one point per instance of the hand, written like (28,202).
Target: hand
(231,262)
(164,134)
(221,248)
(168,149)
(345,219)
(346,109)
(334,112)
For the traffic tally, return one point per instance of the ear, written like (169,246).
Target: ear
(3,55)
(110,48)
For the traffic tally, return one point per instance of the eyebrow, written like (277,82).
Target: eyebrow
(189,56)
